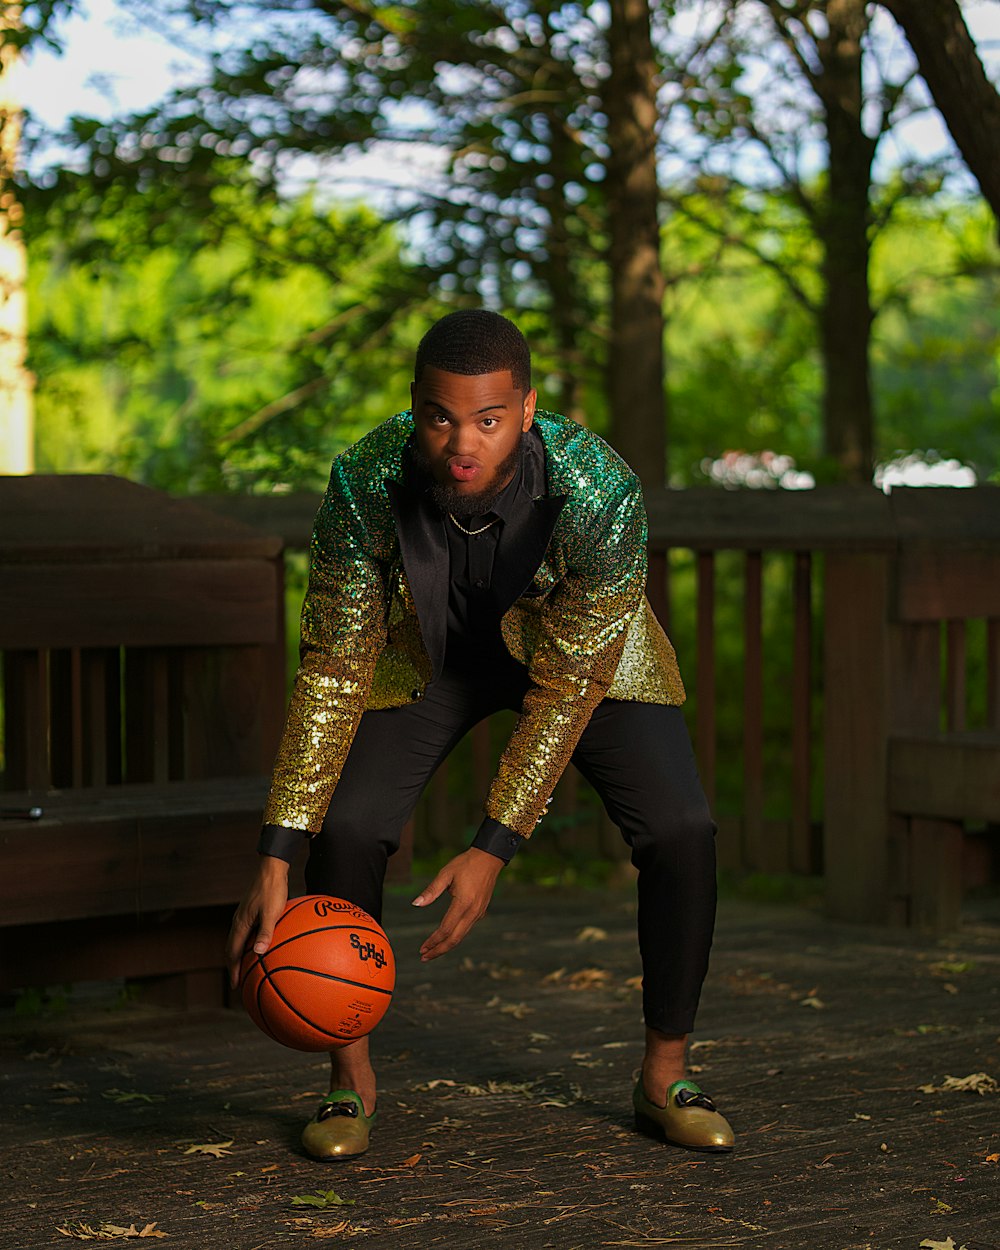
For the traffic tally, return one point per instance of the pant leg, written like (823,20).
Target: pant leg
(638,758)
(394,753)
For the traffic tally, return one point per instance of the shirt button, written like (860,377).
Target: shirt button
(480,584)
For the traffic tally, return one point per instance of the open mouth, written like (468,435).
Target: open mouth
(464,468)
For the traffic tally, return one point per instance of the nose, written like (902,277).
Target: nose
(463,439)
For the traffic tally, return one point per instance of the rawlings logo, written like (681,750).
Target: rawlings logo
(368,950)
(325,906)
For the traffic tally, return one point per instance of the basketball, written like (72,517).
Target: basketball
(326,979)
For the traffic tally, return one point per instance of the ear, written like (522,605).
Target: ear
(528,411)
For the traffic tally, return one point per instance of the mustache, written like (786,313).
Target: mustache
(462,505)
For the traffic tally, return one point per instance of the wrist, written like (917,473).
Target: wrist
(272,866)
(486,859)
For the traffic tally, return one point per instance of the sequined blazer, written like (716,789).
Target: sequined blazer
(374,618)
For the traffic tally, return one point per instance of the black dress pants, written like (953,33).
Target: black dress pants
(638,758)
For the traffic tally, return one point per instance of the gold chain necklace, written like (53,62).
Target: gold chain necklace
(473,533)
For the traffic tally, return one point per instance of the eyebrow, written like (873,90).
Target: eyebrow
(479,411)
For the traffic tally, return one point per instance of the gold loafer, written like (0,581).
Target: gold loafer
(339,1129)
(689,1119)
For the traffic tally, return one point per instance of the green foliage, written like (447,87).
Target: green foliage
(936,343)
(242,353)
(501,101)
(745,368)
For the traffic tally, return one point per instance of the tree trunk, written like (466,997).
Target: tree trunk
(636,366)
(965,97)
(16,427)
(846,316)
(560,275)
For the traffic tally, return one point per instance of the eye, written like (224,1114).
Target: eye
(489,422)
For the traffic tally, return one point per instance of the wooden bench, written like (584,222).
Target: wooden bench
(134,881)
(143,669)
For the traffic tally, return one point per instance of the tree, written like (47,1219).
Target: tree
(826,51)
(16,420)
(518,95)
(965,97)
(637,394)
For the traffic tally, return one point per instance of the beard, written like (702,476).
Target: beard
(464,505)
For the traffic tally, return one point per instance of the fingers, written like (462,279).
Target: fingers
(235,945)
(455,924)
(260,911)
(265,932)
(436,888)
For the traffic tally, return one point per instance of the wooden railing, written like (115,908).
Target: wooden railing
(141,700)
(798,618)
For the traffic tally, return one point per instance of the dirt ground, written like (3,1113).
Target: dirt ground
(505,1120)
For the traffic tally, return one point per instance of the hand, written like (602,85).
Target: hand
(260,909)
(469,878)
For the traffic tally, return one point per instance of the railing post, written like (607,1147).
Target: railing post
(855,666)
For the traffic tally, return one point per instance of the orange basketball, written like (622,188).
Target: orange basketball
(326,978)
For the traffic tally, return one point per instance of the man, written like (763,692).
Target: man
(472,555)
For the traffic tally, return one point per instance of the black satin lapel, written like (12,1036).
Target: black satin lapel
(524,543)
(424,548)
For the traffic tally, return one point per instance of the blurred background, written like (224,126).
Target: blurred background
(239,217)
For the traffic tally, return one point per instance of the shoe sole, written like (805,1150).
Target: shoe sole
(341,1158)
(650,1128)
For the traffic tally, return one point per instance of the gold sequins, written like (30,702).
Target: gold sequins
(590,634)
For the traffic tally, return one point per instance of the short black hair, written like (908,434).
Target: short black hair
(474,341)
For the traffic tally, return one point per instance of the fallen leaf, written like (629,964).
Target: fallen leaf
(590,933)
(107,1232)
(976,1083)
(322,1199)
(992,1159)
(634,983)
(950,968)
(940,1208)
(588,979)
(947,1244)
(123,1095)
(812,1001)
(332,1230)
(215,1149)
(517,1010)
(412,1161)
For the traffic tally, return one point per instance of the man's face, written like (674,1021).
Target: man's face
(468,432)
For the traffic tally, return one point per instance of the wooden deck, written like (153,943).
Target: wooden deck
(506,1071)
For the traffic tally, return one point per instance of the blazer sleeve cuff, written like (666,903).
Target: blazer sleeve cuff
(496,839)
(281,842)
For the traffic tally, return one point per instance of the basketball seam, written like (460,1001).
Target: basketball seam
(295,1011)
(330,976)
(327,928)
